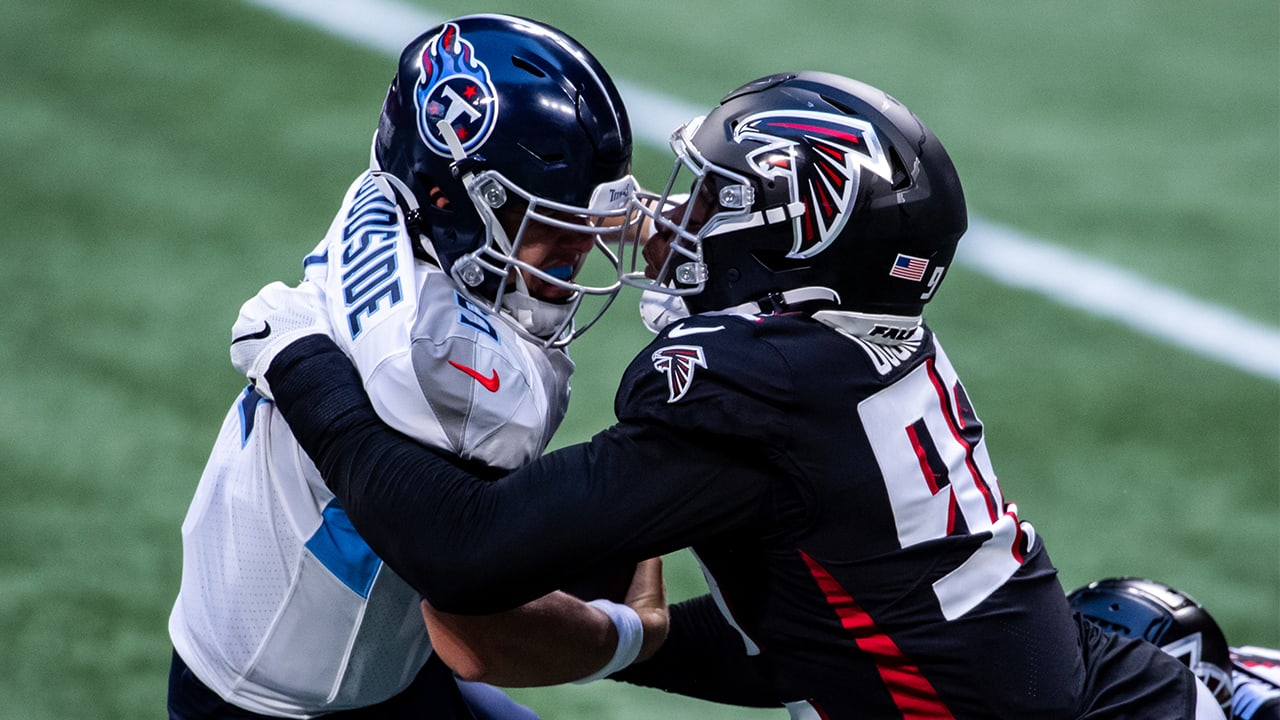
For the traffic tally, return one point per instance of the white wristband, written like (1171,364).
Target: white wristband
(630,636)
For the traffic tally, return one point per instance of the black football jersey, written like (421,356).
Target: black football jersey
(838,492)
(871,555)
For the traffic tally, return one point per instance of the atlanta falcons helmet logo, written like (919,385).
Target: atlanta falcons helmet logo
(1190,650)
(678,362)
(837,147)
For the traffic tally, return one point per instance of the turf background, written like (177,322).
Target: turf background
(164,160)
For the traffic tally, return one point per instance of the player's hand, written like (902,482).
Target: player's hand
(269,322)
(648,597)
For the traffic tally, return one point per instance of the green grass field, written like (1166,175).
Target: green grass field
(162,161)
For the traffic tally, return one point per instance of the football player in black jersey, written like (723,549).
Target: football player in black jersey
(801,429)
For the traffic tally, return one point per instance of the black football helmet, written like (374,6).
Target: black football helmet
(806,180)
(1137,607)
(494,116)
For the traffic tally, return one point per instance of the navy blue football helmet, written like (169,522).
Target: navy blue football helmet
(492,126)
(1173,620)
(811,181)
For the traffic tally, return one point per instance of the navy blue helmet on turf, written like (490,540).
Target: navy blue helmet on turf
(494,125)
(1137,607)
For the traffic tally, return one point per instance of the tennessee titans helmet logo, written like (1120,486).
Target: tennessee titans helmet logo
(454,87)
(678,362)
(824,189)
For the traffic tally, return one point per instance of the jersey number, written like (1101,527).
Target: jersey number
(928,444)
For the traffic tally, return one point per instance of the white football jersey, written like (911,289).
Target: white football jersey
(283,608)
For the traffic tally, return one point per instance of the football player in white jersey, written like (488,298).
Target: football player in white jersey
(448,276)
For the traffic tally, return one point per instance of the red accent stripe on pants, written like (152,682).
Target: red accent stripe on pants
(911,691)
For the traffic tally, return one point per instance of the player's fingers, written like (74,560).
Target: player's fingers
(648,597)
(647,588)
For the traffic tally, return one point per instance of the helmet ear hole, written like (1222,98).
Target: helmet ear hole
(840,106)
(527,66)
(549,157)
(901,178)
(776,261)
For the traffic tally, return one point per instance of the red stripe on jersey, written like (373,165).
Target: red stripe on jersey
(923,458)
(944,398)
(911,691)
(930,477)
(1019,537)
(955,396)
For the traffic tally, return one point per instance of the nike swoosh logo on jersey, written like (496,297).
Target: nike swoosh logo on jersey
(488,383)
(264,332)
(682,331)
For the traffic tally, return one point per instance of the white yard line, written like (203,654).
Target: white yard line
(1001,253)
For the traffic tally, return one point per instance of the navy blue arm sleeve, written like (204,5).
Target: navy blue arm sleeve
(474,546)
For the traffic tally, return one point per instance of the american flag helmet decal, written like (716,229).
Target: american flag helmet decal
(909,267)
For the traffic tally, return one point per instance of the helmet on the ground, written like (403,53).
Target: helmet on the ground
(807,180)
(1173,620)
(493,125)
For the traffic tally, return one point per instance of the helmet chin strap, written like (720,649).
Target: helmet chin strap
(468,180)
(658,310)
(780,301)
(879,329)
(451,139)
(394,189)
(542,319)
